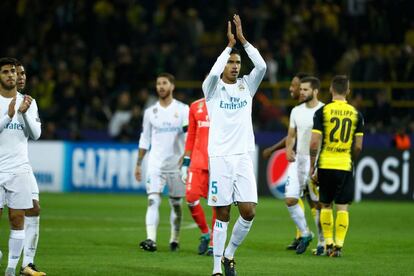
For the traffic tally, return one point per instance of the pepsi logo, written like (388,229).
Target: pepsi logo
(276,172)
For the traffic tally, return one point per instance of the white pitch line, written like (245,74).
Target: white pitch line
(108,229)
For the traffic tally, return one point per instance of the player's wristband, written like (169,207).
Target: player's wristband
(186,161)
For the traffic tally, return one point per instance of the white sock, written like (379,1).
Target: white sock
(219,237)
(321,240)
(298,216)
(16,241)
(152,217)
(175,219)
(31,228)
(240,230)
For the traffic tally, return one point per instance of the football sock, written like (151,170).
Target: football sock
(298,216)
(240,230)
(316,213)
(175,219)
(327,225)
(302,206)
(220,236)
(31,228)
(16,241)
(213,222)
(198,215)
(152,217)
(341,227)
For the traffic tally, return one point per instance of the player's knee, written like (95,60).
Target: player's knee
(326,205)
(16,219)
(192,198)
(290,201)
(175,203)
(154,200)
(193,204)
(248,214)
(223,213)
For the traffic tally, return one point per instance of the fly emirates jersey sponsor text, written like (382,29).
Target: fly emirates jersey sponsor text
(163,135)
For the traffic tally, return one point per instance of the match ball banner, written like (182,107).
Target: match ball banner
(379,174)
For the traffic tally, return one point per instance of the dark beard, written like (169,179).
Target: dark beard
(308,99)
(5,86)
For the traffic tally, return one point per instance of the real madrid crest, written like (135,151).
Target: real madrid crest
(241,87)
(176,114)
(155,110)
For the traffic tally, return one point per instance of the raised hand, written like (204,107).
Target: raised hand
(24,106)
(230,36)
(239,30)
(12,109)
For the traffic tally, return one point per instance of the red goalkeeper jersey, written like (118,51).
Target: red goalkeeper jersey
(197,135)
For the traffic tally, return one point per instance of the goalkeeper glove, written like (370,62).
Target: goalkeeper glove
(184,169)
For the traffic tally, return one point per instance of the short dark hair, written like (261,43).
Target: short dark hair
(169,76)
(315,83)
(234,50)
(8,61)
(340,84)
(301,75)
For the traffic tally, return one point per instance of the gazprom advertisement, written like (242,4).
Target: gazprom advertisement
(109,167)
(101,167)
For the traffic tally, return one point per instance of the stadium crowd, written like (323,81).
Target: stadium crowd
(91,64)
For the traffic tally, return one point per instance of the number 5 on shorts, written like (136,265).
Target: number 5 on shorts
(213,187)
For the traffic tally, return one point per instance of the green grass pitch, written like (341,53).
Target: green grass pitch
(90,234)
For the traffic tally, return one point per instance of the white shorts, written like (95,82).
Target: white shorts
(298,176)
(231,180)
(16,190)
(156,183)
(34,188)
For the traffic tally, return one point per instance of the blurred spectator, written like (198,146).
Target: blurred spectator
(401,140)
(77,51)
(121,116)
(131,131)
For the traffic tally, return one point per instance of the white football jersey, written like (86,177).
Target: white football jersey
(163,134)
(14,134)
(301,118)
(230,106)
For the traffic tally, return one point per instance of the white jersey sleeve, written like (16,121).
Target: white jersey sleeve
(13,138)
(32,122)
(4,121)
(255,77)
(213,78)
(145,139)
(292,122)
